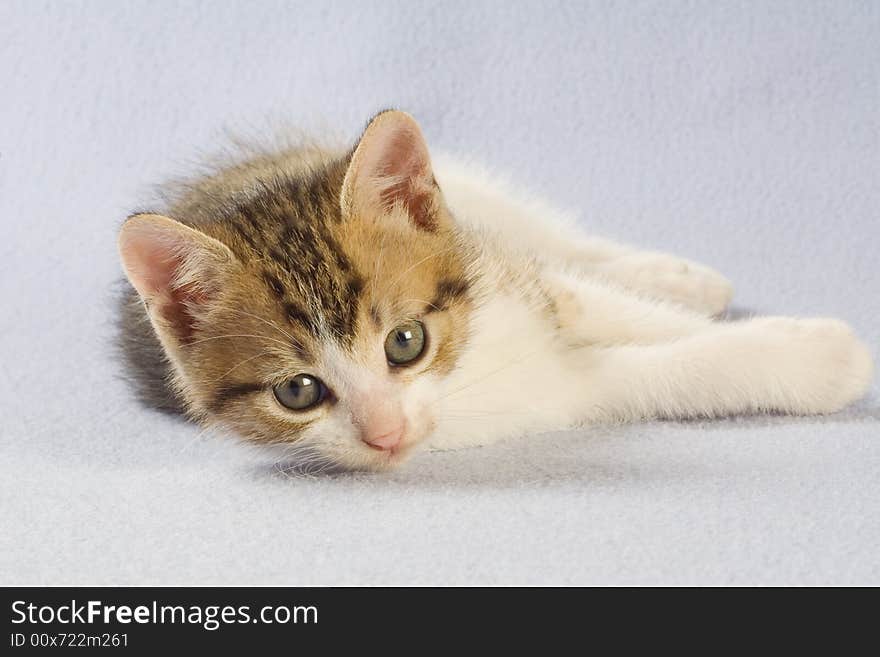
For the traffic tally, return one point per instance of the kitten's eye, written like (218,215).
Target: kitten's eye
(301,392)
(405,343)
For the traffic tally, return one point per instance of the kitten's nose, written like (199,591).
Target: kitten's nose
(386,440)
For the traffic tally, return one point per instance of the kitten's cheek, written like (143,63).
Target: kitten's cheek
(429,426)
(419,409)
(420,424)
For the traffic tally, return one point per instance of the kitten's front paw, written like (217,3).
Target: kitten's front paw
(828,365)
(668,278)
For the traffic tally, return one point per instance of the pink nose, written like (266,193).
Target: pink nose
(384,441)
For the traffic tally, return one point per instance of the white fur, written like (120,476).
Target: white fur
(633,336)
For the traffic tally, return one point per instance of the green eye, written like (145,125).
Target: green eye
(405,343)
(301,392)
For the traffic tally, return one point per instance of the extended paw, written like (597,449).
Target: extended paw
(826,366)
(669,278)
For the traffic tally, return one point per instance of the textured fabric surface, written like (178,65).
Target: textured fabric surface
(745,135)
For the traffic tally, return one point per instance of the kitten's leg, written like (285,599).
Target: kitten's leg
(527,225)
(592,312)
(667,277)
(798,366)
(649,273)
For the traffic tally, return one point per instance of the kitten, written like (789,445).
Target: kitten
(358,305)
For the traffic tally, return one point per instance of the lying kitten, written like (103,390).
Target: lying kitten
(360,304)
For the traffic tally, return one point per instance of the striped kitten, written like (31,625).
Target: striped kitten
(358,305)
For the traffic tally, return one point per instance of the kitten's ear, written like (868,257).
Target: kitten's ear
(175,269)
(391,166)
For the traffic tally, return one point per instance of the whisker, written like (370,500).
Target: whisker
(510,363)
(423,260)
(196,439)
(379,261)
(232,369)
(423,301)
(465,415)
(235,335)
(268,323)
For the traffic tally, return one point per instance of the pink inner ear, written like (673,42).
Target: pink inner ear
(405,155)
(418,203)
(179,310)
(151,261)
(406,158)
(395,167)
(153,254)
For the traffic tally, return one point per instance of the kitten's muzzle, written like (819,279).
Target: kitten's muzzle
(378,417)
(387,441)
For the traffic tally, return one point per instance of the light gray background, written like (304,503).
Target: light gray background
(745,135)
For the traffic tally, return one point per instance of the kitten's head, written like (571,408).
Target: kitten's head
(320,310)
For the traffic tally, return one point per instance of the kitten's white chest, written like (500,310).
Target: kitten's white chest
(509,379)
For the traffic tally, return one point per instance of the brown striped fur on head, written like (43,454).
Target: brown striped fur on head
(303,262)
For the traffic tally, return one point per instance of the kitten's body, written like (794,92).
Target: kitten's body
(531,325)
